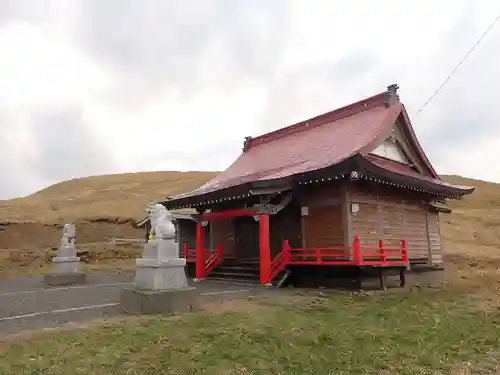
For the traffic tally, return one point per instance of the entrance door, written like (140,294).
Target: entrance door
(246,231)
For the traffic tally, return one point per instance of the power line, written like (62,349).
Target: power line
(459,65)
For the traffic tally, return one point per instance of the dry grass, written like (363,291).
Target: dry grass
(472,230)
(120,197)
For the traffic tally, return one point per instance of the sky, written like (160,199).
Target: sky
(91,87)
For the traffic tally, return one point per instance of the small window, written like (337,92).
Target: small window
(391,150)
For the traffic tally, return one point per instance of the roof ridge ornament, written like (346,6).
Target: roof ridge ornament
(392,95)
(246,143)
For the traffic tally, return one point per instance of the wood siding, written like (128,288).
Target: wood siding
(322,195)
(285,225)
(392,215)
(222,231)
(324,226)
(186,234)
(434,237)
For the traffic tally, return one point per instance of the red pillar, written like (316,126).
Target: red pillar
(265,250)
(404,251)
(381,250)
(200,252)
(356,252)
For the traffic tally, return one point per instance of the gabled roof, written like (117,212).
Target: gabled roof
(315,144)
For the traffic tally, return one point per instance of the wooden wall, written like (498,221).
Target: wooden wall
(285,225)
(434,236)
(393,215)
(324,226)
(222,231)
(186,234)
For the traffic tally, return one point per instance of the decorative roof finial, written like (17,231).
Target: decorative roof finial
(392,94)
(246,144)
(393,88)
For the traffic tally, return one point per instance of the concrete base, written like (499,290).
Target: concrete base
(59,279)
(170,301)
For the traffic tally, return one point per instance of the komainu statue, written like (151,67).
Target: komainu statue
(161,222)
(68,237)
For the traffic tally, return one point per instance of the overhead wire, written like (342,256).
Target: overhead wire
(458,65)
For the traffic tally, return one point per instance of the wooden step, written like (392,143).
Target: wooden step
(234,275)
(227,280)
(243,269)
(241,261)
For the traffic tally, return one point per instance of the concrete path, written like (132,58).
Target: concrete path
(27,304)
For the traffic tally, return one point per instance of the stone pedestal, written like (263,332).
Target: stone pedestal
(66,268)
(160,284)
(168,301)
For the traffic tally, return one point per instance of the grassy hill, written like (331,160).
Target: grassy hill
(120,197)
(472,230)
(105,207)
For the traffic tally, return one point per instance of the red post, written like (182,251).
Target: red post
(404,251)
(382,251)
(265,250)
(287,254)
(356,251)
(200,252)
(186,251)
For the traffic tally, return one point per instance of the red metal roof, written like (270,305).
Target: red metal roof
(314,144)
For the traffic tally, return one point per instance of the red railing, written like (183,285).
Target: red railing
(355,255)
(189,254)
(212,258)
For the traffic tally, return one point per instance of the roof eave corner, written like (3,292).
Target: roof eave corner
(463,191)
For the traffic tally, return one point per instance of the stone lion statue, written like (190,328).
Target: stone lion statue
(161,222)
(69,233)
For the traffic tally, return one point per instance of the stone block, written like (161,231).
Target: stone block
(66,265)
(168,301)
(60,279)
(166,276)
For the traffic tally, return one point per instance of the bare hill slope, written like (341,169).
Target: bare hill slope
(120,197)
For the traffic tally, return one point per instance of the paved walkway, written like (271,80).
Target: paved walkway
(27,304)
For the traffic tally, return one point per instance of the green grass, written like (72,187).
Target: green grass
(416,333)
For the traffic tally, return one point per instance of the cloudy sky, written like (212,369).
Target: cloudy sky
(109,86)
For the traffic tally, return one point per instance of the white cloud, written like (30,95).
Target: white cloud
(40,69)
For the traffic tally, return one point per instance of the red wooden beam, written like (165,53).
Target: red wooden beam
(227,214)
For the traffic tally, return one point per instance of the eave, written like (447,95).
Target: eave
(354,168)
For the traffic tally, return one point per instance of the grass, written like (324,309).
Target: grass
(415,333)
(118,197)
